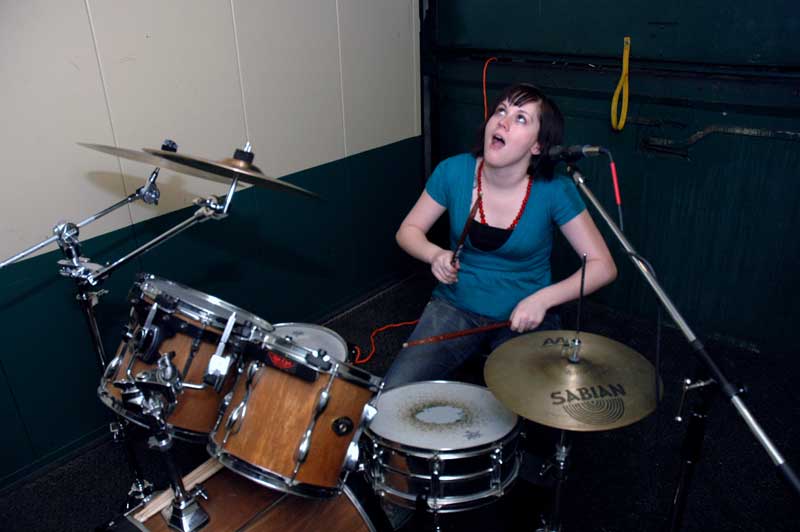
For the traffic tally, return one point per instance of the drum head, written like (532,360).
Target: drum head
(314,337)
(441,415)
(197,305)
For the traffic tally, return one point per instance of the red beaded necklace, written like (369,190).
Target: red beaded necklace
(521,208)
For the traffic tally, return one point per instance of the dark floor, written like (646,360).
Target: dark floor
(620,480)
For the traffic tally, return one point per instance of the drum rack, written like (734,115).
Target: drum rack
(89,276)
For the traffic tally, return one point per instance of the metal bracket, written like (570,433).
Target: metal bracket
(688,386)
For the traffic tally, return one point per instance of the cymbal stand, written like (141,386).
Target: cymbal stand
(697,424)
(161,387)
(88,275)
(558,465)
(76,267)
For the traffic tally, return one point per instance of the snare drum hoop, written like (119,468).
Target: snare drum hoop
(453,454)
(333,334)
(447,503)
(190,303)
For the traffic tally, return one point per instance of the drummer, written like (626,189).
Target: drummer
(503,272)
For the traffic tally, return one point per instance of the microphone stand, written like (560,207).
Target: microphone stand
(694,437)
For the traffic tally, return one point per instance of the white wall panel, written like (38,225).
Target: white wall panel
(171,71)
(319,80)
(290,66)
(380,73)
(51,97)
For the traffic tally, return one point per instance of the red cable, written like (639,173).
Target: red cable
(359,360)
(616,182)
(485,104)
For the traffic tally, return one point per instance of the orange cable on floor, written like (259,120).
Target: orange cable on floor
(359,360)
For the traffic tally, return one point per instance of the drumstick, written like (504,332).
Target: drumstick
(465,231)
(457,334)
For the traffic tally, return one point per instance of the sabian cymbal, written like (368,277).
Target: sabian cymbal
(220,172)
(611,385)
(227,169)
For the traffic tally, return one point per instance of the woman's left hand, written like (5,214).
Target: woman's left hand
(528,314)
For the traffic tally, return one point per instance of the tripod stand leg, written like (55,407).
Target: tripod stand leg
(141,491)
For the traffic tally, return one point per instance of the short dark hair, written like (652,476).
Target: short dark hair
(551,125)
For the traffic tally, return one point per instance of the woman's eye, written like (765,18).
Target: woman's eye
(501,111)
(521,119)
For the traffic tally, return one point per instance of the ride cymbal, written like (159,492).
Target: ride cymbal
(227,169)
(611,385)
(220,172)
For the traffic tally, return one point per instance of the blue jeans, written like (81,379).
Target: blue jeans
(439,359)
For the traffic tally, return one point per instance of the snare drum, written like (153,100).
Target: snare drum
(295,414)
(169,317)
(449,444)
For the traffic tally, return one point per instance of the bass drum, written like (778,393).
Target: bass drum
(236,504)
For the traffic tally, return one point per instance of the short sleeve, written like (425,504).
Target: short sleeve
(567,202)
(437,186)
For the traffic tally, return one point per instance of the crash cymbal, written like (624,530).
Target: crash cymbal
(227,169)
(611,385)
(220,172)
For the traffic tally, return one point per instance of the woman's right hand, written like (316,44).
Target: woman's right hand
(442,268)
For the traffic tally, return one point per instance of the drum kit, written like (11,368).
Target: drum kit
(286,417)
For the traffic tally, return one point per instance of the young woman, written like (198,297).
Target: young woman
(503,272)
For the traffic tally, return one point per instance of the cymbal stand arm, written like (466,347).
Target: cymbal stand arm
(209,210)
(148,193)
(730,391)
(229,195)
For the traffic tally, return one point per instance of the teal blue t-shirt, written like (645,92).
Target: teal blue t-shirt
(491,283)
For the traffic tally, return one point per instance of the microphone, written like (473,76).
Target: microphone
(573,153)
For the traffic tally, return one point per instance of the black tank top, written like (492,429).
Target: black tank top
(487,238)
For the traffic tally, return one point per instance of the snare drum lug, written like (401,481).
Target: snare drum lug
(496,480)
(436,488)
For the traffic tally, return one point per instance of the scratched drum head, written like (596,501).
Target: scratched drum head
(441,415)
(314,337)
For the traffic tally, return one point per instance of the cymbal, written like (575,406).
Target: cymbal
(227,169)
(611,385)
(221,172)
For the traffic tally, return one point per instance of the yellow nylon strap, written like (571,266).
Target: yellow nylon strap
(622,86)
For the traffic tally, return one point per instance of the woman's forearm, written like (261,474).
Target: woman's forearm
(415,242)
(599,272)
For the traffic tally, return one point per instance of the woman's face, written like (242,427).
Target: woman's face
(512,134)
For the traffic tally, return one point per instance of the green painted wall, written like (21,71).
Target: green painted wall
(282,257)
(717,220)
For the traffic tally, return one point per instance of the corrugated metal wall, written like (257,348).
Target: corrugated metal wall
(715,217)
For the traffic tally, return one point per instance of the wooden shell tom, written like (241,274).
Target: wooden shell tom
(190,324)
(293,419)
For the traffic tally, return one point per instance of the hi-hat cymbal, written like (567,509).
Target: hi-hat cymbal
(220,172)
(611,385)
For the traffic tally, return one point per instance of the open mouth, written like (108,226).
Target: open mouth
(497,141)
